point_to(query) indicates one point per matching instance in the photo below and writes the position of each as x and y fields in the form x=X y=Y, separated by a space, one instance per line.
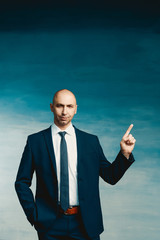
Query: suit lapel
x=79 y=150
x=49 y=144
x=48 y=139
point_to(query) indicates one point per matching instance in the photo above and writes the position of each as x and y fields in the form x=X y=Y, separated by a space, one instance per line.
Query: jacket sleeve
x=23 y=183
x=113 y=172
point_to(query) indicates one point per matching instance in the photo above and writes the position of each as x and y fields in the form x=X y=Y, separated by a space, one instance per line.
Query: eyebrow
x=60 y=104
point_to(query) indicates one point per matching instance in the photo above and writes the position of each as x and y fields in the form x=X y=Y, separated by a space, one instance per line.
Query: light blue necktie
x=64 y=178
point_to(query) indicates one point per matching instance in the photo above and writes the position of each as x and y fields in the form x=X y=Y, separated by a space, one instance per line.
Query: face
x=64 y=108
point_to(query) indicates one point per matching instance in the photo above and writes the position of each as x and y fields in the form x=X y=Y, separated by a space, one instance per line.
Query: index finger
x=128 y=130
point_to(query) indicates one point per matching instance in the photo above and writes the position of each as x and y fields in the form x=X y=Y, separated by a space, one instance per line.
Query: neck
x=62 y=127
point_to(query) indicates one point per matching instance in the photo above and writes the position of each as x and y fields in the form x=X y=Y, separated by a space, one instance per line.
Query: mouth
x=63 y=118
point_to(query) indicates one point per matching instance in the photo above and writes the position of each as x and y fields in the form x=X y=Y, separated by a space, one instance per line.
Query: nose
x=64 y=110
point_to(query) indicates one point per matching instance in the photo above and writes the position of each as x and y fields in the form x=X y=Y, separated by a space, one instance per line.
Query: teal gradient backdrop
x=110 y=60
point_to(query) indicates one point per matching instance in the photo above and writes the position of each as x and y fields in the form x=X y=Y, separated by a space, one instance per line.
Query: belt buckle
x=65 y=213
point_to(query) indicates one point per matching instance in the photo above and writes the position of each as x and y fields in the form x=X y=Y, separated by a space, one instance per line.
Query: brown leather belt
x=70 y=211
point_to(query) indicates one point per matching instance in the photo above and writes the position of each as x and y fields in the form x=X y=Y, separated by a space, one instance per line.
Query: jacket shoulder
x=85 y=134
x=39 y=133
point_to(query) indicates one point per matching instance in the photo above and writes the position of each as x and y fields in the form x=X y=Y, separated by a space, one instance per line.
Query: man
x=67 y=163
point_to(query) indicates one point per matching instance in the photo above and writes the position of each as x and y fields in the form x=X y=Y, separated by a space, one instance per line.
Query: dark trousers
x=66 y=227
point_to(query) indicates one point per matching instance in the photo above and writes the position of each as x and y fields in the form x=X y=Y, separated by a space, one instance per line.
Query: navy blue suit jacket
x=41 y=209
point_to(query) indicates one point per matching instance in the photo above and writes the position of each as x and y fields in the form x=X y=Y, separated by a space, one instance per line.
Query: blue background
x=109 y=57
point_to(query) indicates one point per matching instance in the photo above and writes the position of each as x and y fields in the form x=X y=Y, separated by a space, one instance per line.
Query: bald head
x=64 y=92
x=64 y=107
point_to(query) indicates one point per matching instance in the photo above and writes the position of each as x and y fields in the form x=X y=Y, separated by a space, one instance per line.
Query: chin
x=63 y=123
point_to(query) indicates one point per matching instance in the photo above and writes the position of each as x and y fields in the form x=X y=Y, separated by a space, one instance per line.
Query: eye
x=58 y=105
x=70 y=106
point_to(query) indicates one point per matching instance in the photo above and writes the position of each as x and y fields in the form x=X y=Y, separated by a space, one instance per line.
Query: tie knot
x=62 y=134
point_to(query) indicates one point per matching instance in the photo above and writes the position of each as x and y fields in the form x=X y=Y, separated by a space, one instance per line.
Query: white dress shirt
x=70 y=138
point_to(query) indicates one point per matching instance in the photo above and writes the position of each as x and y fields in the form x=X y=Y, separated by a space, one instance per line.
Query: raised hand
x=127 y=143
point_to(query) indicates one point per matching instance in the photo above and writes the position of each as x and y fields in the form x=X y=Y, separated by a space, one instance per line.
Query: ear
x=76 y=109
x=51 y=107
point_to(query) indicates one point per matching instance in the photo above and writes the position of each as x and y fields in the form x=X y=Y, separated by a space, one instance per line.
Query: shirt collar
x=69 y=130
